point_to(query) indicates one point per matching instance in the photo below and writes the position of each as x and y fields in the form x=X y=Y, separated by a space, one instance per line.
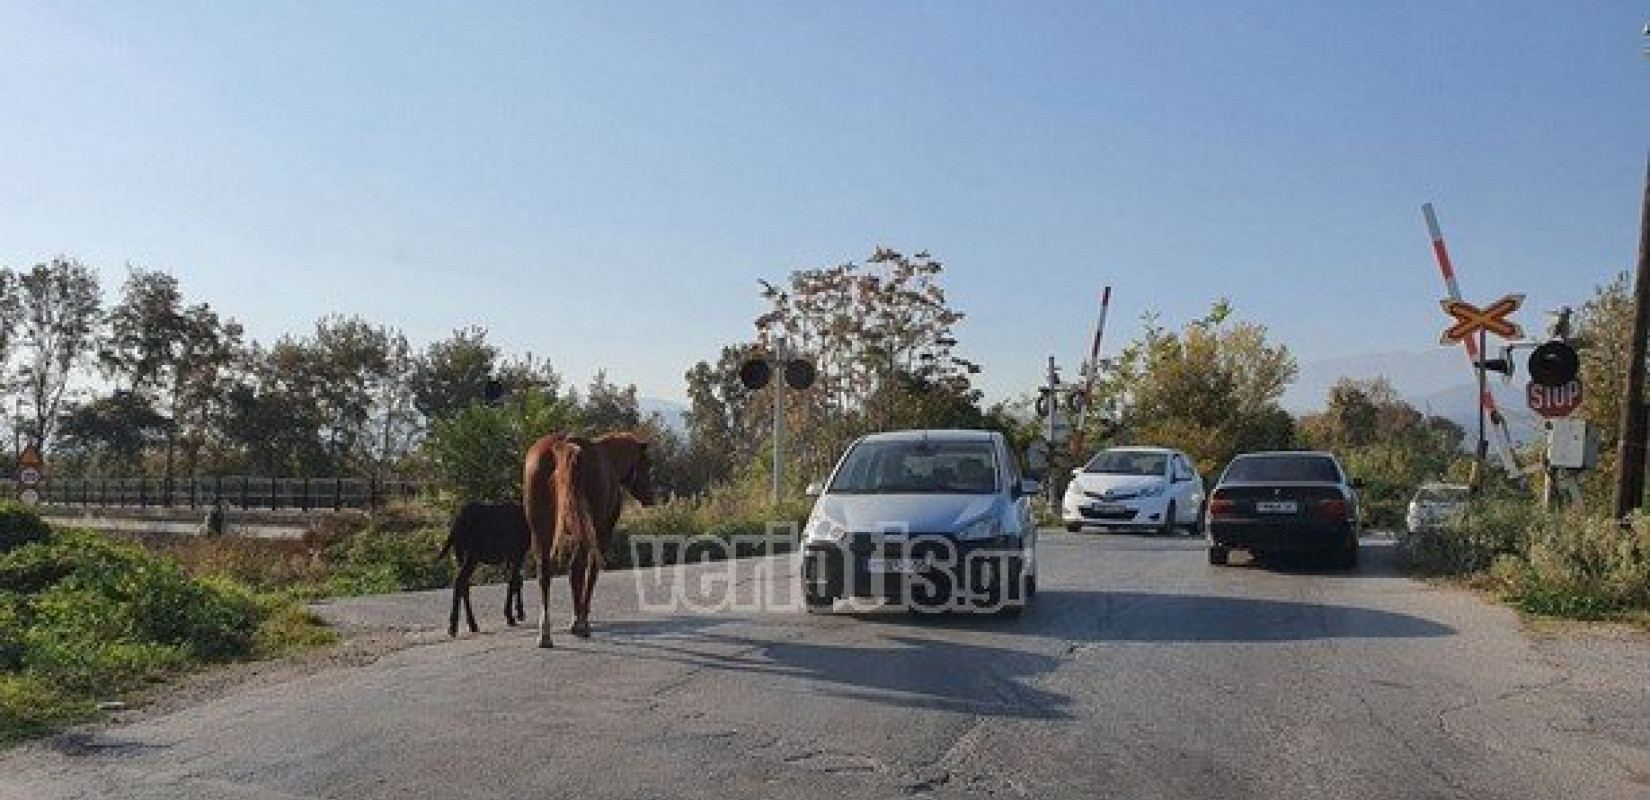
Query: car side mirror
x=1029 y=488
x=1357 y=483
x=814 y=489
x=1075 y=471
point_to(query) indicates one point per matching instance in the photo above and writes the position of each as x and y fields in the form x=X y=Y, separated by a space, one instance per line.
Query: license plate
x=891 y=565
x=1108 y=508
x=1277 y=507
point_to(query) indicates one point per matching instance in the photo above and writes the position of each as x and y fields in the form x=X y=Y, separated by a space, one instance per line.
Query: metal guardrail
x=236 y=491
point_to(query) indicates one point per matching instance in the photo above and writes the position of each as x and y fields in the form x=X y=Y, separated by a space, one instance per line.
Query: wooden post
x=1630 y=452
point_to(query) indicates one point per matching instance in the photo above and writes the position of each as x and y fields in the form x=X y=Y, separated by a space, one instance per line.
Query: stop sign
x=1553 y=402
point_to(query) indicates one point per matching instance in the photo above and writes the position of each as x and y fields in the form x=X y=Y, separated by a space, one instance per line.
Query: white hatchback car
x=1136 y=488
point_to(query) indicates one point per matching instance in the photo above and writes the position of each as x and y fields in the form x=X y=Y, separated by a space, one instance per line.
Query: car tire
x=1197 y=523
x=1167 y=529
x=1219 y=555
x=1348 y=559
x=1074 y=527
x=816 y=604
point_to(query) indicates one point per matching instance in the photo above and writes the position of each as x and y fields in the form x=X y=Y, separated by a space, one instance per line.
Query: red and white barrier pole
x=1486 y=400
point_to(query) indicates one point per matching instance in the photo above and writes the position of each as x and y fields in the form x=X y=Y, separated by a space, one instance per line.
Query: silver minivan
x=936 y=520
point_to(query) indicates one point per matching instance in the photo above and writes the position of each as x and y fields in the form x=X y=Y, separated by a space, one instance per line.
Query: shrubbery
x=1560 y=563
x=85 y=618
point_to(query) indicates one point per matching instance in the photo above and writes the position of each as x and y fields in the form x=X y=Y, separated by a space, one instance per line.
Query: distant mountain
x=1412 y=374
x=673 y=413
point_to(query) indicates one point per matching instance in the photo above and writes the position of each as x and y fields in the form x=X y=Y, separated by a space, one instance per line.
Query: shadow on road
x=1093 y=616
x=903 y=671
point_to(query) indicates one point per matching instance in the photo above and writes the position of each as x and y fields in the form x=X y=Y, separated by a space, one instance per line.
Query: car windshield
x=918 y=466
x=1291 y=467
x=1441 y=494
x=1126 y=462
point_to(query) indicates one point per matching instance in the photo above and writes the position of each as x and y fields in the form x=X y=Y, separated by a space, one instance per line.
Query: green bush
x=375 y=561
x=84 y=618
x=31 y=705
x=19 y=526
x=1470 y=542
x=1565 y=563
x=1580 y=566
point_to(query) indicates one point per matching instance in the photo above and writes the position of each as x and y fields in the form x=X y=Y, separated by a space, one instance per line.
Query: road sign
x=29 y=497
x=1554 y=402
x=28 y=476
x=1470 y=319
x=30 y=457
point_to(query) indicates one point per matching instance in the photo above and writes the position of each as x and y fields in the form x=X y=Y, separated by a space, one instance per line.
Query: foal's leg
x=465 y=573
x=458 y=597
x=512 y=590
x=521 y=610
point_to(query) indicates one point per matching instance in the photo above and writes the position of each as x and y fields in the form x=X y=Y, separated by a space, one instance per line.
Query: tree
x=60 y=300
x=171 y=353
x=608 y=407
x=876 y=332
x=1383 y=442
x=110 y=434
x=721 y=418
x=355 y=366
x=1604 y=332
x=271 y=422
x=1211 y=389
x=477 y=452
x=452 y=374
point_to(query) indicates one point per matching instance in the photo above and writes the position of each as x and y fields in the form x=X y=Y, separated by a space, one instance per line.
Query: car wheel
x=1168 y=521
x=1348 y=559
x=1197 y=523
x=1074 y=527
x=1219 y=555
x=815 y=604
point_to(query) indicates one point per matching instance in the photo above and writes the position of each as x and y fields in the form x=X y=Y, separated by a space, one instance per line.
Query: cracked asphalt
x=1141 y=672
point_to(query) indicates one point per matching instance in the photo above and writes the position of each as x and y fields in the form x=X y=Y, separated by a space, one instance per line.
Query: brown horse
x=573 y=489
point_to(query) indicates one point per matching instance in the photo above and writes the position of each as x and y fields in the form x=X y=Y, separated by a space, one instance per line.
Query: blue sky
x=602 y=183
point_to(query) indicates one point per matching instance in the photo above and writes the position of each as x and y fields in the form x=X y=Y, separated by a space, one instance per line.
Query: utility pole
x=1630 y=452
x=778 y=420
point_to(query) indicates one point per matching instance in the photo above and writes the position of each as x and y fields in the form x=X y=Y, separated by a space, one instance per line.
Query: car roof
x=1140 y=448
x=1323 y=453
x=939 y=434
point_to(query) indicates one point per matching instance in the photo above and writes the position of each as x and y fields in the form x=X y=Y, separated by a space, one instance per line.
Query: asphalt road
x=1142 y=673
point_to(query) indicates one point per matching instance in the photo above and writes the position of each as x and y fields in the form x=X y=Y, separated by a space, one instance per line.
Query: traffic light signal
x=1554 y=364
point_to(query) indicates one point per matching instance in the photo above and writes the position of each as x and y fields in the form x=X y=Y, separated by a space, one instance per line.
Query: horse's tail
x=575 y=532
x=452 y=536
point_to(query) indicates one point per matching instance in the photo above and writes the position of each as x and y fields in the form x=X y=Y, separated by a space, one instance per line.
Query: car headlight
x=825 y=529
x=1152 y=491
x=987 y=528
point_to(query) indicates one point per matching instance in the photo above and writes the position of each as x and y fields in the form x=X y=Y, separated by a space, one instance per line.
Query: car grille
x=1117 y=496
x=1119 y=515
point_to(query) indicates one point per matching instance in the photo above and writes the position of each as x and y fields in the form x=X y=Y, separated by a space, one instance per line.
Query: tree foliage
x=1210 y=389
x=1384 y=442
x=59 y=302
x=1604 y=331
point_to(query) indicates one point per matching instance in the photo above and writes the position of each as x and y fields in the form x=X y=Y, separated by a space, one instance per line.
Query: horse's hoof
x=544 y=642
